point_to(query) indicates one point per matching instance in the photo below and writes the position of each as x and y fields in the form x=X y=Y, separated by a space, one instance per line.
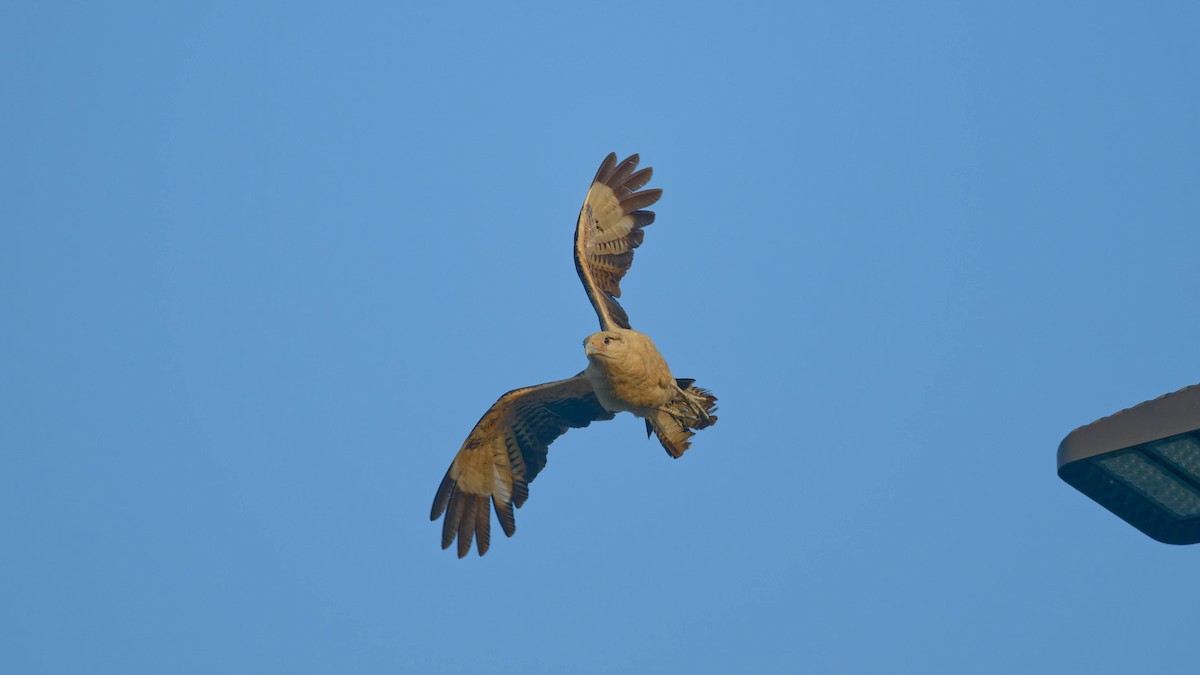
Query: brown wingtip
x=466 y=525
x=640 y=200
x=606 y=167
x=468 y=516
x=504 y=512
x=450 y=525
x=442 y=497
x=623 y=172
x=483 y=524
x=635 y=182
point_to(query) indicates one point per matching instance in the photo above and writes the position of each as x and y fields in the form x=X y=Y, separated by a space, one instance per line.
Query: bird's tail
x=693 y=409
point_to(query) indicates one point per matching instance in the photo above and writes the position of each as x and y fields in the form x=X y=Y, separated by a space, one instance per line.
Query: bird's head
x=606 y=344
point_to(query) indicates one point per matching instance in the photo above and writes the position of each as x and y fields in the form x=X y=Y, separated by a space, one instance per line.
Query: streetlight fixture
x=1143 y=464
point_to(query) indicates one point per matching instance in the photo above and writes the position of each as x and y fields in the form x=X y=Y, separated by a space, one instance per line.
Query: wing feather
x=635 y=182
x=609 y=228
x=466 y=524
x=606 y=168
x=504 y=453
x=640 y=200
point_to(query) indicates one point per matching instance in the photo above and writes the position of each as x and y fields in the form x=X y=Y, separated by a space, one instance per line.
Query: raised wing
x=504 y=453
x=609 y=228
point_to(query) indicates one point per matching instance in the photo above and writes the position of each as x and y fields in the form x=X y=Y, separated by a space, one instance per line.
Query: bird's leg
x=695 y=404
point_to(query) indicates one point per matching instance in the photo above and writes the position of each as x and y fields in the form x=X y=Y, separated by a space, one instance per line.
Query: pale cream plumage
x=625 y=373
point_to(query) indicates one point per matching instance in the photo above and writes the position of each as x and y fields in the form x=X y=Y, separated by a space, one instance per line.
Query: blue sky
x=264 y=267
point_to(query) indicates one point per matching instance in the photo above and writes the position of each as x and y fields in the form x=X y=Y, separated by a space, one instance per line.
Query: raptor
x=625 y=373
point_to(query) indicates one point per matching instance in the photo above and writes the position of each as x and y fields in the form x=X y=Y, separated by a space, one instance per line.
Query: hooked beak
x=589 y=348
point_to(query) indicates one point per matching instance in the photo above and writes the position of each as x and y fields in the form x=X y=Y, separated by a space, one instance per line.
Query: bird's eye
x=607 y=340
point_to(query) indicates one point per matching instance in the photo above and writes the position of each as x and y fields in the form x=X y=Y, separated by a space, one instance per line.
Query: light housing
x=1143 y=464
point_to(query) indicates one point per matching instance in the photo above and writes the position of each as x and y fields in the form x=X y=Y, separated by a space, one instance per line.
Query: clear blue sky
x=263 y=268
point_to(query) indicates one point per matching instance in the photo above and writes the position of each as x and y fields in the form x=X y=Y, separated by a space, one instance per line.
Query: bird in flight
x=625 y=373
